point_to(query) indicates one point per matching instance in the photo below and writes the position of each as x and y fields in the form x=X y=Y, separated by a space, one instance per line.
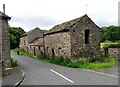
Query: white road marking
x=23 y=73
x=8 y=68
x=23 y=79
x=61 y=76
x=101 y=73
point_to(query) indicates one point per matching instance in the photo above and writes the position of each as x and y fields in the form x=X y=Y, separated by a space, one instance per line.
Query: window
x=38 y=47
x=87 y=33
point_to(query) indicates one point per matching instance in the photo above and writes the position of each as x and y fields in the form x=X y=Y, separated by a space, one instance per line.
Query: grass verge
x=98 y=62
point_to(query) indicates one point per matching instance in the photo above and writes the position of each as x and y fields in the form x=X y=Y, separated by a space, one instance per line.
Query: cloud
x=33 y=21
x=47 y=13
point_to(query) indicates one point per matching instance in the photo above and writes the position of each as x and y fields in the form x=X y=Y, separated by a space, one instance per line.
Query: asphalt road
x=42 y=73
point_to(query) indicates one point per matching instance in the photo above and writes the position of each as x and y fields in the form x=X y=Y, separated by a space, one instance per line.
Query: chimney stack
x=4 y=8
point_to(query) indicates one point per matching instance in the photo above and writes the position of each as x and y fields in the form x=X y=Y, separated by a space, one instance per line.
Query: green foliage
x=110 y=33
x=23 y=52
x=95 y=62
x=13 y=62
x=110 y=45
x=15 y=34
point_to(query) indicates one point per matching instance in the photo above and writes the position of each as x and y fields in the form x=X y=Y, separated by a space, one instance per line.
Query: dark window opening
x=53 y=53
x=34 y=51
x=38 y=47
x=87 y=34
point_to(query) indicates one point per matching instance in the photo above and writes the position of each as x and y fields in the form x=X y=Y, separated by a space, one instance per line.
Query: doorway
x=53 y=53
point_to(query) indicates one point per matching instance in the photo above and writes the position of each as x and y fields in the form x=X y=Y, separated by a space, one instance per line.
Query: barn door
x=53 y=53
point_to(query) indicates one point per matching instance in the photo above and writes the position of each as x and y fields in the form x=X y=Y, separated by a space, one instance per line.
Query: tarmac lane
x=42 y=73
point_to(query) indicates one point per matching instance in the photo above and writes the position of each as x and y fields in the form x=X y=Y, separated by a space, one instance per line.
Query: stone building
x=73 y=39
x=32 y=41
x=4 y=40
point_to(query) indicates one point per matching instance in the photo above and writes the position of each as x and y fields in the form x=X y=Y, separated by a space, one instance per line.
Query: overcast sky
x=45 y=14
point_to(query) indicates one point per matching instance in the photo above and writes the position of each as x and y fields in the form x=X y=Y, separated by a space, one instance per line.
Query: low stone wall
x=114 y=52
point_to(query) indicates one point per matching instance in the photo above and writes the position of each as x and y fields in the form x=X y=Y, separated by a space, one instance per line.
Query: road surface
x=42 y=73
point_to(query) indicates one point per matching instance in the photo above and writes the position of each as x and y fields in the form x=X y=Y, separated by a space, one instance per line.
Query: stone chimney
x=4 y=8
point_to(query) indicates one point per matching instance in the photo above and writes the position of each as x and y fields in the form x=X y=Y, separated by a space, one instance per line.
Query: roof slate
x=32 y=31
x=66 y=25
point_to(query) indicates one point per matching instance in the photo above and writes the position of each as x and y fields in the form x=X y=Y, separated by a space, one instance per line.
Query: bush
x=95 y=61
x=13 y=62
x=99 y=59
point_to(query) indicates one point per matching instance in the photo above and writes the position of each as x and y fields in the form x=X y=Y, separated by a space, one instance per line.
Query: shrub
x=108 y=45
x=13 y=62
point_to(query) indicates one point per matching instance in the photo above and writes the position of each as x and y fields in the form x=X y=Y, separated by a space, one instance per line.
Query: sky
x=45 y=14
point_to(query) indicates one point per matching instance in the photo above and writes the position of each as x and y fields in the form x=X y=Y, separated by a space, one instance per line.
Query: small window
x=87 y=34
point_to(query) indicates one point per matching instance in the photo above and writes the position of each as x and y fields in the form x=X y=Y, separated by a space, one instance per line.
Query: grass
x=108 y=43
x=98 y=62
x=22 y=52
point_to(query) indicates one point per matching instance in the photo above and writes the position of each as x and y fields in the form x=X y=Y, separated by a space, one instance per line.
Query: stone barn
x=4 y=40
x=32 y=41
x=36 y=47
x=73 y=39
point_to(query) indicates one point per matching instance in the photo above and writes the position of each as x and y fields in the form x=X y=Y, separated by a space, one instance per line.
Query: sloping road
x=42 y=73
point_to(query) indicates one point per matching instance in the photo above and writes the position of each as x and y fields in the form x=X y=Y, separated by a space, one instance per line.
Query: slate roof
x=3 y=15
x=31 y=31
x=65 y=26
x=33 y=34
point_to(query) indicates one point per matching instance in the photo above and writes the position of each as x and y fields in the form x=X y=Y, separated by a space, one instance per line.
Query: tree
x=15 y=34
x=110 y=33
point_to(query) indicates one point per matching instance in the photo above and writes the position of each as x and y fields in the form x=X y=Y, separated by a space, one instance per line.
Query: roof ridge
x=66 y=24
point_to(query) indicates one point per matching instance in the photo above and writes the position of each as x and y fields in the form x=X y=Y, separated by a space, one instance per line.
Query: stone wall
x=24 y=43
x=78 y=46
x=59 y=43
x=114 y=52
x=36 y=47
x=5 y=51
